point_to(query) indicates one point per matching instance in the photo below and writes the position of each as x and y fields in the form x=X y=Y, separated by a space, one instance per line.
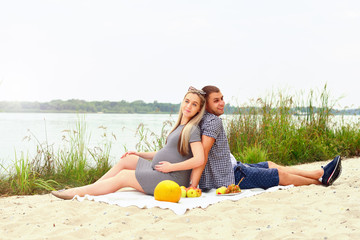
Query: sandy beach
x=309 y=212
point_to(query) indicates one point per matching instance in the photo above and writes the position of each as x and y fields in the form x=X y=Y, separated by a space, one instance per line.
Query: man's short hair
x=210 y=89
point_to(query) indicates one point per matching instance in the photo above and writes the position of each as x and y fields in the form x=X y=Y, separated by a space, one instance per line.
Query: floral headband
x=194 y=90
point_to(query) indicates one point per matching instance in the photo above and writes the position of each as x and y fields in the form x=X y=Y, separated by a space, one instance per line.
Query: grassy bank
x=291 y=131
x=278 y=128
x=73 y=164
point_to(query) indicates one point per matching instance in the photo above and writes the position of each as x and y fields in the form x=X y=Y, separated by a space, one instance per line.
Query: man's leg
x=286 y=178
x=256 y=177
x=325 y=175
x=312 y=174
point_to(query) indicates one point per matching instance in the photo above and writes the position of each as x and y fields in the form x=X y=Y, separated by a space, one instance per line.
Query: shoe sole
x=336 y=173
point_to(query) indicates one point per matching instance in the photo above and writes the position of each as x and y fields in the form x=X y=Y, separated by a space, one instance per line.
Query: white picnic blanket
x=141 y=200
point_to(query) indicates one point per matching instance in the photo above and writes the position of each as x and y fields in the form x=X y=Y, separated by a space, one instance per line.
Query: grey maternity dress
x=145 y=171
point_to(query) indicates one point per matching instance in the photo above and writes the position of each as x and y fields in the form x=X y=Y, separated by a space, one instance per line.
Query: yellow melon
x=168 y=191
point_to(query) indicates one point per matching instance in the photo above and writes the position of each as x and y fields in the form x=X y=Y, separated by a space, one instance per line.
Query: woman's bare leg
x=125 y=178
x=313 y=174
x=129 y=162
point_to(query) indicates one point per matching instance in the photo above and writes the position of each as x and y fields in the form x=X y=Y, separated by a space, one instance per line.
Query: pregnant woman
x=183 y=152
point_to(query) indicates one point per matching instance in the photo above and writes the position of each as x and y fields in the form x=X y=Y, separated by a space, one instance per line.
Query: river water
x=51 y=127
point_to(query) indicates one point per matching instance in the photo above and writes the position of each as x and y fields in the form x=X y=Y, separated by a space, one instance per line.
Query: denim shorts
x=257 y=175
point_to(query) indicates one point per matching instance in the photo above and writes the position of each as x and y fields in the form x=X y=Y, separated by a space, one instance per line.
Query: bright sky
x=154 y=50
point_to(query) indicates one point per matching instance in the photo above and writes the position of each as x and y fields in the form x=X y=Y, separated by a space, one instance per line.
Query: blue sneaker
x=331 y=171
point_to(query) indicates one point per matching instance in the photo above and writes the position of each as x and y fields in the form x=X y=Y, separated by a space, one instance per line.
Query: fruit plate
x=228 y=194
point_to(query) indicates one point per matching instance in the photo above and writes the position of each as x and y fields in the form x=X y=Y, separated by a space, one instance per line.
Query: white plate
x=228 y=194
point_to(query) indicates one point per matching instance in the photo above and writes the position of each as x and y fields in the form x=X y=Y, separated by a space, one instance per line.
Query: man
x=220 y=169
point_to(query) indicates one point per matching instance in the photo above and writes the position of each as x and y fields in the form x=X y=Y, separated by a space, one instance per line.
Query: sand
x=308 y=212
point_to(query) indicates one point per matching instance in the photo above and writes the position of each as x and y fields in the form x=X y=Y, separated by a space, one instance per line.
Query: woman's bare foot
x=65 y=194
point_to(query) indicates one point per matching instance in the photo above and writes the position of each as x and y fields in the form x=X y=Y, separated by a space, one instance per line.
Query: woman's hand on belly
x=164 y=167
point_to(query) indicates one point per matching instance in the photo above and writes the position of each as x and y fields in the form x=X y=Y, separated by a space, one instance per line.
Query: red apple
x=198 y=192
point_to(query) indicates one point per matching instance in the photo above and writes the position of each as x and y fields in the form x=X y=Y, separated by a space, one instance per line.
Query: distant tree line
x=81 y=106
x=139 y=106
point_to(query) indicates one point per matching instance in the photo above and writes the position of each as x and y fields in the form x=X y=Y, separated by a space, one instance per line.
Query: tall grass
x=74 y=164
x=23 y=179
x=79 y=164
x=149 y=141
x=289 y=132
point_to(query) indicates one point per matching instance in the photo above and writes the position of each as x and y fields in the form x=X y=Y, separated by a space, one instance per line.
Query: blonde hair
x=183 y=144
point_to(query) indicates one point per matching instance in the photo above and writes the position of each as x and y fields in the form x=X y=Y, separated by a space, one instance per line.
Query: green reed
x=23 y=179
x=149 y=141
x=286 y=131
x=79 y=164
x=74 y=164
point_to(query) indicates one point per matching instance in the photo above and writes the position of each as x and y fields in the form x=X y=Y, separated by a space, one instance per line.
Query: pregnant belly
x=168 y=155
